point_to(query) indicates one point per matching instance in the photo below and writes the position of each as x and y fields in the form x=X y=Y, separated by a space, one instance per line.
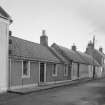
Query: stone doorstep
x=48 y=86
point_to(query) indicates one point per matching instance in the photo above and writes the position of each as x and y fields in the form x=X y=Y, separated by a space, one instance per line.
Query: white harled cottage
x=5 y=21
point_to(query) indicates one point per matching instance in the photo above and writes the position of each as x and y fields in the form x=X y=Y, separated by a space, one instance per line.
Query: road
x=90 y=93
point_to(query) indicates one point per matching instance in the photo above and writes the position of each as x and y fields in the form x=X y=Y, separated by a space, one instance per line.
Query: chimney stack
x=74 y=47
x=44 y=38
x=101 y=49
x=90 y=45
x=10 y=33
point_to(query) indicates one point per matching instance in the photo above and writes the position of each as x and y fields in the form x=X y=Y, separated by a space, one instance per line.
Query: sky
x=65 y=21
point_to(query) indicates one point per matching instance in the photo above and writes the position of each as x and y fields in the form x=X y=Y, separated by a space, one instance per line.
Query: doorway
x=69 y=72
x=42 y=72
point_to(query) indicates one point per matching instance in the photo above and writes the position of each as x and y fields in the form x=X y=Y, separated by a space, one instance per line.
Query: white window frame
x=66 y=68
x=104 y=61
x=55 y=67
x=26 y=76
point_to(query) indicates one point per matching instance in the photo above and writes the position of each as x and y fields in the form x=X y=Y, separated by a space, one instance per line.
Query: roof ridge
x=26 y=48
x=62 y=52
x=50 y=48
x=27 y=40
x=81 y=57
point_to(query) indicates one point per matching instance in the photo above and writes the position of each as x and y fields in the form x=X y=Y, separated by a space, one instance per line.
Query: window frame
x=66 y=68
x=56 y=71
x=28 y=69
x=103 y=61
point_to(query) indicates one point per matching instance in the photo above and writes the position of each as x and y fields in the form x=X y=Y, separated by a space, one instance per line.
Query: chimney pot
x=101 y=49
x=44 y=38
x=90 y=45
x=10 y=33
x=74 y=47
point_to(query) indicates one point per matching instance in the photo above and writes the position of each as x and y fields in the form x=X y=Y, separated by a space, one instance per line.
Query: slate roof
x=69 y=54
x=4 y=14
x=25 y=49
x=97 y=55
x=101 y=53
x=63 y=59
x=75 y=56
x=89 y=59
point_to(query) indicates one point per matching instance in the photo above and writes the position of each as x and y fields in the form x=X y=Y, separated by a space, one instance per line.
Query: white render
x=90 y=68
x=4 y=30
x=99 y=71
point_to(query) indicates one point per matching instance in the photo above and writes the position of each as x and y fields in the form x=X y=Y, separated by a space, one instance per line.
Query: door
x=78 y=71
x=93 y=72
x=69 y=72
x=41 y=72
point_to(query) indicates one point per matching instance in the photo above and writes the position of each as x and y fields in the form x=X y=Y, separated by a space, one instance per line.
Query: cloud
x=94 y=12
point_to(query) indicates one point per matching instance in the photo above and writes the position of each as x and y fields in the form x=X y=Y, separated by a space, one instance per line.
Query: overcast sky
x=65 y=21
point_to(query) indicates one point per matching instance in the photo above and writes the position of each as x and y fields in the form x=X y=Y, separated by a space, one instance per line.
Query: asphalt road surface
x=90 y=93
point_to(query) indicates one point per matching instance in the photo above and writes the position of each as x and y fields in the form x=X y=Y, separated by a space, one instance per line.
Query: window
x=104 y=61
x=26 y=69
x=10 y=51
x=54 y=71
x=10 y=33
x=10 y=41
x=65 y=70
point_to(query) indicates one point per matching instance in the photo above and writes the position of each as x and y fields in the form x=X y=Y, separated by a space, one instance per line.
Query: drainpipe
x=78 y=71
x=93 y=69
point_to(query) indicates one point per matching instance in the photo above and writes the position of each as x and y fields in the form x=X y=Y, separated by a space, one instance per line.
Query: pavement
x=83 y=93
x=48 y=86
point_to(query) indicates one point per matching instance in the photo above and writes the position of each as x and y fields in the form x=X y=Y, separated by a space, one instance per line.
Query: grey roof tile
x=63 y=59
x=75 y=56
x=26 y=49
x=70 y=54
x=88 y=58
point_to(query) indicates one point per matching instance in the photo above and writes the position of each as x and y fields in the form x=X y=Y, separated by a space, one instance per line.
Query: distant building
x=5 y=21
x=97 y=55
x=81 y=64
x=32 y=64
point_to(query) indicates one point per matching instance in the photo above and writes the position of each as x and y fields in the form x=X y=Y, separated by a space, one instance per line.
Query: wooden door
x=69 y=72
x=41 y=72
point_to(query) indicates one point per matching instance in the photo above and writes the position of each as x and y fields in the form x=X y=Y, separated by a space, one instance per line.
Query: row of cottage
x=31 y=64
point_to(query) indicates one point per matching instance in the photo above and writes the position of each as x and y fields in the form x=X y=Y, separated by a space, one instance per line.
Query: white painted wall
x=99 y=71
x=74 y=71
x=4 y=30
x=90 y=67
